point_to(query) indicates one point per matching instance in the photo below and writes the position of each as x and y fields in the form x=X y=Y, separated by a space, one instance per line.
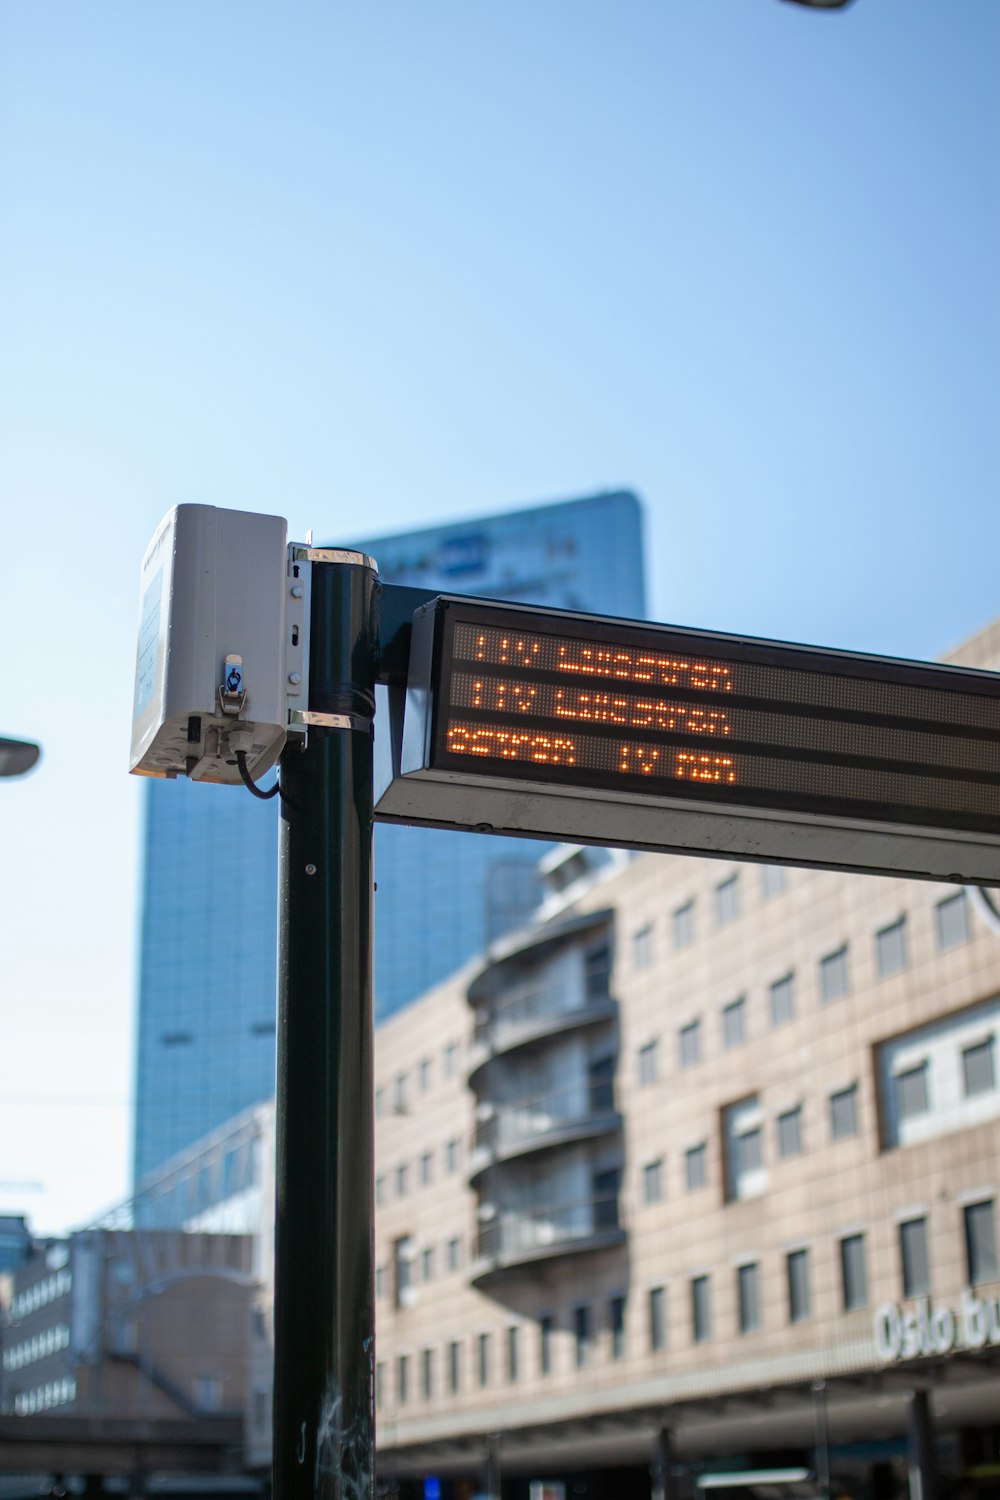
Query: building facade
x=205 y=1035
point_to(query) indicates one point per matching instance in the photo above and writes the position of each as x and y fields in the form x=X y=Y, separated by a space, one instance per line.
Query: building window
x=657 y=1318
x=853 y=1272
x=427 y=1262
x=380 y=1384
x=911 y=1092
x=402 y=1256
x=844 y=1113
x=727 y=901
x=483 y=1358
x=427 y=1373
x=748 y=1292
x=782 y=993
x=648 y=1063
x=379 y=1103
x=833 y=977
x=616 y=1322
x=652 y=1181
x=401 y=1180
x=978 y=1071
x=689 y=1044
x=734 y=1023
x=450 y=1055
x=790 y=1132
x=512 y=1332
x=454 y=1253
x=890 y=948
x=952 y=920
x=701 y=1311
x=402 y=1379
x=545 y=1344
x=642 y=948
x=451 y=1156
x=454 y=1366
x=426 y=1168
x=597 y=970
x=744 y=1149
x=379 y=1191
x=773 y=880
x=797 y=1271
x=380 y=1281
x=399 y=1095
x=695 y=1166
x=980 y=1242
x=914 y=1257
x=424 y=1074
x=682 y=925
x=581 y=1331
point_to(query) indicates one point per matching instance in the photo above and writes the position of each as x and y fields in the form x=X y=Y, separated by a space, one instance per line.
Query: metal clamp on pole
x=324 y=1438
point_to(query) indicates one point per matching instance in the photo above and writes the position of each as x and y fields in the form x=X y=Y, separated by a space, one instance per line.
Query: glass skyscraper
x=206 y=1034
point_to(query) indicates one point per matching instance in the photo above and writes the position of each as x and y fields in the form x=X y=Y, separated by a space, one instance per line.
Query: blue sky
x=374 y=266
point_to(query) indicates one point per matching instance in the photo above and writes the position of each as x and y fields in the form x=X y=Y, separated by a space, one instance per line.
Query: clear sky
x=371 y=266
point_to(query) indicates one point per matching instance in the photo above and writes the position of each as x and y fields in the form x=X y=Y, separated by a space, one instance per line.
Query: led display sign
x=674 y=725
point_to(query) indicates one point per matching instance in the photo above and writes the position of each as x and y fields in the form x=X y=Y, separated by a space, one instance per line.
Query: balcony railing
x=514 y=1235
x=519 y=1008
x=522 y=1122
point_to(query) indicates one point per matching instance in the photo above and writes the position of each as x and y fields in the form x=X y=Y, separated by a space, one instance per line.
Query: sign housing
x=519 y=720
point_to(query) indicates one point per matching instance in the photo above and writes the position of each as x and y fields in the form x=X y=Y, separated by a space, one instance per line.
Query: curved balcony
x=512 y=1239
x=532 y=1013
x=521 y=1127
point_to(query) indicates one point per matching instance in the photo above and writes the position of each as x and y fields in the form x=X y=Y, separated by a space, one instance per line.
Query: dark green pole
x=324 y=1352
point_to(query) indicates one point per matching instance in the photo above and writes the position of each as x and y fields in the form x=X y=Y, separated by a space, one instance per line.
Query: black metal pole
x=324 y=1424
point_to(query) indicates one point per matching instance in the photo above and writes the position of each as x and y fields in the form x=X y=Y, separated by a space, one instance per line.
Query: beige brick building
x=699 y=1171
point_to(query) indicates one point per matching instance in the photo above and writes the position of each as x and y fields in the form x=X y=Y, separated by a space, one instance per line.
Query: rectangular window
x=401 y=1180
x=797 y=1271
x=648 y=1063
x=454 y=1366
x=427 y=1262
x=911 y=1092
x=451 y=1156
x=696 y=1167
x=833 y=977
x=380 y=1281
x=952 y=920
x=427 y=1373
x=424 y=1074
x=402 y=1256
x=853 y=1272
x=402 y=1379
x=380 y=1193
x=748 y=1292
x=657 y=1318
x=483 y=1358
x=790 y=1132
x=454 y=1253
x=597 y=970
x=616 y=1323
x=512 y=1333
x=399 y=1094
x=426 y=1169
x=890 y=948
x=743 y=1143
x=773 y=880
x=545 y=1344
x=844 y=1113
x=682 y=925
x=782 y=993
x=734 y=1023
x=980 y=1242
x=652 y=1181
x=689 y=1044
x=642 y=948
x=701 y=1310
x=379 y=1103
x=749 y=1151
x=581 y=1331
x=914 y=1257
x=727 y=901
x=978 y=1071
x=450 y=1055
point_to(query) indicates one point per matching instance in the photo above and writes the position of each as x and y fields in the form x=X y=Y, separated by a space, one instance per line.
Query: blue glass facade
x=207 y=967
